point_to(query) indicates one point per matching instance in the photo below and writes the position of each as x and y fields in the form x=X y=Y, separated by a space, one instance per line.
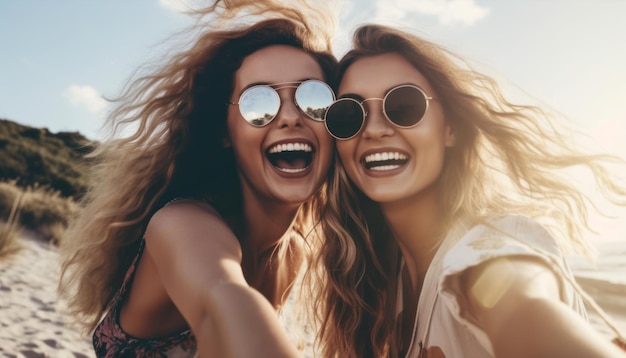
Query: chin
x=386 y=196
x=293 y=196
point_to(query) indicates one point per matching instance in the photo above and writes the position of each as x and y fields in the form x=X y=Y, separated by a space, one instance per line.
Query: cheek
x=345 y=149
x=244 y=139
x=239 y=129
x=325 y=141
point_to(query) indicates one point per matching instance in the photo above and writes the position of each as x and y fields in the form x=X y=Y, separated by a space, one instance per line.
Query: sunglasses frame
x=277 y=86
x=427 y=98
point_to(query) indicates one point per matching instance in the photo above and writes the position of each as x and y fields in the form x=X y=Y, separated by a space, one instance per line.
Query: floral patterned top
x=109 y=340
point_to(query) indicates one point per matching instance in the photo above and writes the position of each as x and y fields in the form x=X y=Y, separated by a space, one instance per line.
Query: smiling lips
x=384 y=161
x=293 y=157
x=296 y=157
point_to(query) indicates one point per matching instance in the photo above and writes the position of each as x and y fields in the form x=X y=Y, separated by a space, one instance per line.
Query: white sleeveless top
x=440 y=328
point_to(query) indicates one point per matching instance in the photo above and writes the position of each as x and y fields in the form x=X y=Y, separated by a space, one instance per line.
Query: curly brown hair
x=179 y=111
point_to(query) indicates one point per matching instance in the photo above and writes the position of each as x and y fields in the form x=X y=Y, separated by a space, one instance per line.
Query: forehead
x=373 y=76
x=277 y=63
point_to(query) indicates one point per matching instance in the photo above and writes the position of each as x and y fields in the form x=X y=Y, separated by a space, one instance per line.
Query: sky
x=58 y=59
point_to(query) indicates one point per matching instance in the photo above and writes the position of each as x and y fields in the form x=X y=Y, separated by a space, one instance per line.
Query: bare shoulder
x=500 y=285
x=189 y=225
x=182 y=210
x=189 y=250
x=514 y=272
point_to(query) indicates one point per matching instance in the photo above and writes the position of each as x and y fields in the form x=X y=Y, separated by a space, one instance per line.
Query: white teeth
x=378 y=157
x=290 y=147
x=385 y=167
x=295 y=170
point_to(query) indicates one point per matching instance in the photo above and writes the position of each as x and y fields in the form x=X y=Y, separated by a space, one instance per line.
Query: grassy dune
x=42 y=174
x=40 y=210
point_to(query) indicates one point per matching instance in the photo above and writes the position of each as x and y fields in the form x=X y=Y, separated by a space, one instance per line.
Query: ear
x=450 y=139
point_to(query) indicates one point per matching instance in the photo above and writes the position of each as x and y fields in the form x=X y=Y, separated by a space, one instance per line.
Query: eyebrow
x=352 y=96
x=361 y=98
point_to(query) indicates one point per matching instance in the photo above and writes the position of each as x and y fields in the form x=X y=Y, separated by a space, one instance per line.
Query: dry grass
x=38 y=209
x=10 y=230
x=9 y=240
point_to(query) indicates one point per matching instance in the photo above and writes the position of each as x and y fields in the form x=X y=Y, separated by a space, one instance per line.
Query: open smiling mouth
x=384 y=161
x=290 y=157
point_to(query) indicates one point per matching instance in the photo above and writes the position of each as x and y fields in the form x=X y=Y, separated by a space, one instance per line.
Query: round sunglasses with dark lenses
x=260 y=104
x=404 y=106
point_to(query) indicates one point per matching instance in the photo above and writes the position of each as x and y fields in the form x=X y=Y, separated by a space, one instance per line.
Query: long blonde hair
x=179 y=110
x=503 y=161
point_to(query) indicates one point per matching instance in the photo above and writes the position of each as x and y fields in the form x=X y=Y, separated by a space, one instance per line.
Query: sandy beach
x=32 y=323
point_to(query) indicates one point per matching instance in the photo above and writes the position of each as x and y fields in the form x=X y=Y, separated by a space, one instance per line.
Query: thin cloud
x=85 y=97
x=178 y=6
x=173 y=5
x=448 y=12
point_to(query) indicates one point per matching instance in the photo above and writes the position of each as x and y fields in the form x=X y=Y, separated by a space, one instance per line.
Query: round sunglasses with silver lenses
x=260 y=104
x=404 y=106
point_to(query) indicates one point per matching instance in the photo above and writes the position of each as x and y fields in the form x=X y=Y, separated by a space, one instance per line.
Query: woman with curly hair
x=436 y=240
x=194 y=231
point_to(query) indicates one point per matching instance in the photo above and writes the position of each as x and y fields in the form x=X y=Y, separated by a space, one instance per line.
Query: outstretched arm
x=516 y=301
x=197 y=258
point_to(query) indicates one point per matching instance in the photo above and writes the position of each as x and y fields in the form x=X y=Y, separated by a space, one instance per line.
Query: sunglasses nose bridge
x=366 y=108
x=288 y=110
x=376 y=122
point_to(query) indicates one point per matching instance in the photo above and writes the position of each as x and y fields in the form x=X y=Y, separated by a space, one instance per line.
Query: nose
x=288 y=115
x=376 y=124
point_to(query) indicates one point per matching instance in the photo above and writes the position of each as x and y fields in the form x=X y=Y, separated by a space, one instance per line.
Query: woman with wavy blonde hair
x=434 y=238
x=194 y=230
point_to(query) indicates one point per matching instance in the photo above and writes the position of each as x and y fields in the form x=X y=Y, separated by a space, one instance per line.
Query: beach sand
x=32 y=323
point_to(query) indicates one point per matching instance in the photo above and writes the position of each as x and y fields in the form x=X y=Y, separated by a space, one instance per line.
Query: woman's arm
x=516 y=301
x=198 y=260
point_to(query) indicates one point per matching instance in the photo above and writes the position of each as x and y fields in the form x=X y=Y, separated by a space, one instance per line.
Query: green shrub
x=34 y=156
